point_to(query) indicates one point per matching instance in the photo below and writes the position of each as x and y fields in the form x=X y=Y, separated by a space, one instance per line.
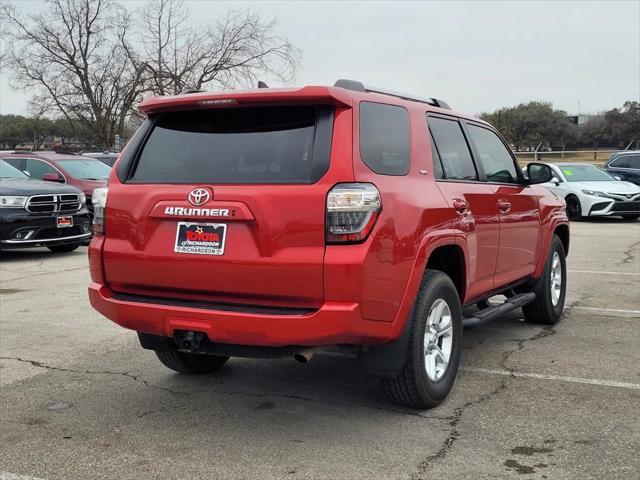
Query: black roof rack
x=191 y=90
x=361 y=87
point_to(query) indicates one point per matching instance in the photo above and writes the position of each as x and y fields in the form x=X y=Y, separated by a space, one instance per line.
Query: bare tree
x=233 y=52
x=92 y=60
x=72 y=59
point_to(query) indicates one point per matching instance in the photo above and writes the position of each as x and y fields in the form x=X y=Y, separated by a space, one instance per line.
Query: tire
x=630 y=218
x=190 y=363
x=574 y=209
x=414 y=387
x=547 y=308
x=69 y=247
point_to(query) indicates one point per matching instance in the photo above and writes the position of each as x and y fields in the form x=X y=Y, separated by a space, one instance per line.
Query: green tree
x=533 y=124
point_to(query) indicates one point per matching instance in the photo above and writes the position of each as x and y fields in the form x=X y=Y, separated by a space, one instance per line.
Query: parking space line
x=601 y=272
x=13 y=476
x=556 y=378
x=608 y=312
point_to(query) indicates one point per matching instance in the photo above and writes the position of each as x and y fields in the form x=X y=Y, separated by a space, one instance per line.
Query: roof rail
x=191 y=90
x=361 y=87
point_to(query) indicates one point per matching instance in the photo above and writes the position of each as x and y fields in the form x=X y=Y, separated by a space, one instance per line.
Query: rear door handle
x=504 y=206
x=460 y=206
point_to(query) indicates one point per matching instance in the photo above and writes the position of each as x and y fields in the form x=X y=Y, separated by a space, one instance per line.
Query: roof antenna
x=261 y=84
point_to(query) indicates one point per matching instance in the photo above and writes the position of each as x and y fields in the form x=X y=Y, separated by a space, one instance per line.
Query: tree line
x=91 y=61
x=538 y=124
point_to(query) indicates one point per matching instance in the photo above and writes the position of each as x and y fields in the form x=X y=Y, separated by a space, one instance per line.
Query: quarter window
x=498 y=164
x=634 y=162
x=437 y=164
x=384 y=138
x=453 y=149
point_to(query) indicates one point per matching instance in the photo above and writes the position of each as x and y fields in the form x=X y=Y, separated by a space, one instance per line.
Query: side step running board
x=491 y=313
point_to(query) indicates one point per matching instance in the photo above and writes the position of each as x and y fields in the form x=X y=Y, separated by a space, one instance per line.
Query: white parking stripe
x=600 y=272
x=13 y=476
x=608 y=312
x=556 y=378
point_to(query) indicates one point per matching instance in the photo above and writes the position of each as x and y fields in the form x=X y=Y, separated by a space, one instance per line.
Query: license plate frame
x=203 y=239
x=64 y=222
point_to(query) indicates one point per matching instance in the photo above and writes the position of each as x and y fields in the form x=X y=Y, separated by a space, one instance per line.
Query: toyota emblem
x=199 y=196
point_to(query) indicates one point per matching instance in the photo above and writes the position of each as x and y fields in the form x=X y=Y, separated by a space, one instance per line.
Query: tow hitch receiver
x=188 y=341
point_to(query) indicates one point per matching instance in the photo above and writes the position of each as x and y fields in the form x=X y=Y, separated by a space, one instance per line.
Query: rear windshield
x=237 y=145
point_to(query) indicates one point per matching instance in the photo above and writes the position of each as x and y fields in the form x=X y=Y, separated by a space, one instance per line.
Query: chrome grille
x=68 y=202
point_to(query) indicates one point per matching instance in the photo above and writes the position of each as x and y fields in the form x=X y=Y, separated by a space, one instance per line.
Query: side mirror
x=52 y=177
x=617 y=178
x=539 y=173
x=555 y=180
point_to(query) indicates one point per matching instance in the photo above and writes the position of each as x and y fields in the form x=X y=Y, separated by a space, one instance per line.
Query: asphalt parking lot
x=81 y=400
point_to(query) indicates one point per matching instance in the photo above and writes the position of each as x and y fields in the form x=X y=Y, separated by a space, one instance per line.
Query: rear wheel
x=630 y=218
x=190 y=363
x=550 y=289
x=69 y=247
x=434 y=347
x=574 y=209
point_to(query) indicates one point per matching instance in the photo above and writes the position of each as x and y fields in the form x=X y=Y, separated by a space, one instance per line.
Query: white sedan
x=590 y=191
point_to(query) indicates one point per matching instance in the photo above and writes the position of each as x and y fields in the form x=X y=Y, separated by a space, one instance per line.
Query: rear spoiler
x=304 y=95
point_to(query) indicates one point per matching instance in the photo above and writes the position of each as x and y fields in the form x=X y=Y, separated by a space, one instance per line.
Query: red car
x=84 y=173
x=283 y=222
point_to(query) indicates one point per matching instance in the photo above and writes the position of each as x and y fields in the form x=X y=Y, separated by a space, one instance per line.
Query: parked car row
x=590 y=191
x=45 y=199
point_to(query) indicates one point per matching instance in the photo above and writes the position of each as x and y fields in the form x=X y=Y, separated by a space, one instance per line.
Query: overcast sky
x=477 y=55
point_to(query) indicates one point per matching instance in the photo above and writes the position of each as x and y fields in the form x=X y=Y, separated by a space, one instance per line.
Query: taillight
x=352 y=210
x=99 y=202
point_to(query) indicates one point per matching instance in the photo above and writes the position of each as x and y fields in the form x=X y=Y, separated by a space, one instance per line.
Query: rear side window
x=285 y=144
x=635 y=161
x=453 y=149
x=384 y=138
x=622 y=162
x=496 y=160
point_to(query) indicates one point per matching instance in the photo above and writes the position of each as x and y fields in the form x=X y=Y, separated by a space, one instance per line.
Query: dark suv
x=284 y=222
x=35 y=213
x=626 y=165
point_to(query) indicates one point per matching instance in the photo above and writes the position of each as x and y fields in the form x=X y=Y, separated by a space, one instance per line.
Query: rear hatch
x=225 y=205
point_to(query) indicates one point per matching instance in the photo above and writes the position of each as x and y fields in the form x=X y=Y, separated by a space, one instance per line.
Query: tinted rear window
x=384 y=138
x=237 y=145
x=453 y=149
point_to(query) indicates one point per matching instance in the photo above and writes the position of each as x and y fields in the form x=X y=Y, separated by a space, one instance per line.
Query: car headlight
x=82 y=198
x=595 y=193
x=7 y=201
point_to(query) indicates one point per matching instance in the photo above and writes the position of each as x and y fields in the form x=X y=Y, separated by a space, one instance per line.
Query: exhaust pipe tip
x=303 y=356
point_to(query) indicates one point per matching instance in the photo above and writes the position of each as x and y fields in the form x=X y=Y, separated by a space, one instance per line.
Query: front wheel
x=550 y=289
x=434 y=347
x=574 y=209
x=69 y=247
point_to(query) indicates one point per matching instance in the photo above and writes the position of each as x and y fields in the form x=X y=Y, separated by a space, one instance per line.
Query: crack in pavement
x=136 y=378
x=628 y=254
x=458 y=413
x=48 y=273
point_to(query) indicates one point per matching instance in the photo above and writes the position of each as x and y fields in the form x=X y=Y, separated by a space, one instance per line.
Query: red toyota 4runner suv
x=283 y=222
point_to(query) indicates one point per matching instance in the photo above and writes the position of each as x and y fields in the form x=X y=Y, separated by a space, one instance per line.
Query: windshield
x=585 y=173
x=88 y=169
x=9 y=171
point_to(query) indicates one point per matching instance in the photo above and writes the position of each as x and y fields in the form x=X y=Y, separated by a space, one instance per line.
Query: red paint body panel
x=276 y=254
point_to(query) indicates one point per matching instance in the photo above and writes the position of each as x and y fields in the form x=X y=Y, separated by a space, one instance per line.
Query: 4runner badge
x=199 y=196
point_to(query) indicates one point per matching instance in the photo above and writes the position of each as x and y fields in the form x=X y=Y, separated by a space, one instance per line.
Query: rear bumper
x=335 y=323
